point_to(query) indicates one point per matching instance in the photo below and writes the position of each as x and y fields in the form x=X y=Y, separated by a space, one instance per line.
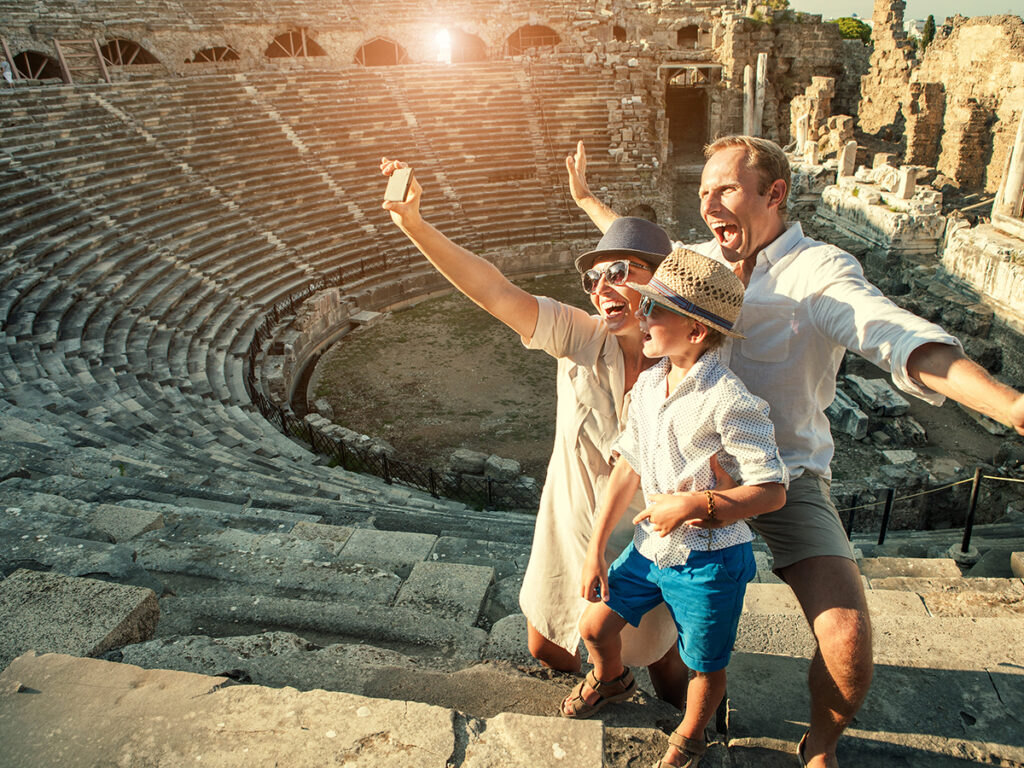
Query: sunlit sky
x=916 y=9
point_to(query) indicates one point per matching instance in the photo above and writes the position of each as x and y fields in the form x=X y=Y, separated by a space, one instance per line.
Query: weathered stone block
x=932 y=567
x=447 y=589
x=467 y=462
x=51 y=613
x=844 y=416
x=124 y=523
x=502 y=469
x=387 y=548
x=877 y=395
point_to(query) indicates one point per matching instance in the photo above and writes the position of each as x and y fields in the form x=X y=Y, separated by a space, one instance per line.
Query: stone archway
x=120 y=52
x=531 y=36
x=381 y=52
x=293 y=45
x=33 y=65
x=214 y=54
x=467 y=47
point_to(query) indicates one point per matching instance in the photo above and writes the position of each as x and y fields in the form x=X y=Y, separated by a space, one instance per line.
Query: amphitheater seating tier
x=145 y=230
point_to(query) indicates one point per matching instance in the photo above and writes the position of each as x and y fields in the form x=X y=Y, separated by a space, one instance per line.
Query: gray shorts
x=807 y=526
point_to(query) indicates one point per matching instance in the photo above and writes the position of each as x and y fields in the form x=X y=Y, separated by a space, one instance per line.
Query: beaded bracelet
x=711 y=504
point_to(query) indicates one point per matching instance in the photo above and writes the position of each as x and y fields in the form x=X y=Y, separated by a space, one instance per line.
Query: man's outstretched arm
x=599 y=213
x=945 y=369
x=477 y=278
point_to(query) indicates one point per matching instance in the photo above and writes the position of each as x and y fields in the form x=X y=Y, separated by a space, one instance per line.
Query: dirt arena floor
x=444 y=375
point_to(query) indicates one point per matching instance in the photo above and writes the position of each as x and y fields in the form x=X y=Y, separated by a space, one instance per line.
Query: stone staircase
x=291 y=578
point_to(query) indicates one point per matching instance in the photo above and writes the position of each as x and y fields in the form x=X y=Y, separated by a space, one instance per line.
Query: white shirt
x=806 y=304
x=669 y=441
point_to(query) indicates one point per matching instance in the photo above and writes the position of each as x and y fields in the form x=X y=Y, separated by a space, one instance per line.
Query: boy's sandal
x=619 y=689
x=800 y=749
x=692 y=749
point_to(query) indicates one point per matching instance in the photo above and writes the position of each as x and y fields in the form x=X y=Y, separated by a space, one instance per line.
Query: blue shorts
x=704 y=596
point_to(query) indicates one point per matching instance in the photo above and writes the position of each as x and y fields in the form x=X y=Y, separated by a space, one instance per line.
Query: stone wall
x=855 y=60
x=882 y=89
x=990 y=265
x=979 y=63
x=800 y=47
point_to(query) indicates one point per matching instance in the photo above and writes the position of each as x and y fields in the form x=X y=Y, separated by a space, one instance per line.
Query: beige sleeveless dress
x=591 y=413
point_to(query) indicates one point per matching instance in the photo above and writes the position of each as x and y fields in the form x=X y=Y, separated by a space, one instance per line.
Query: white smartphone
x=398 y=185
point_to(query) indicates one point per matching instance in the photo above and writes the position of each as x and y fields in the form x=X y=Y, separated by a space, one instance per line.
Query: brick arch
x=531 y=36
x=294 y=44
x=381 y=52
x=34 y=65
x=123 y=52
x=214 y=54
x=467 y=47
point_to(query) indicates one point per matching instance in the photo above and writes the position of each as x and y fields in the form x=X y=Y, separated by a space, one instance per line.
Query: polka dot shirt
x=669 y=442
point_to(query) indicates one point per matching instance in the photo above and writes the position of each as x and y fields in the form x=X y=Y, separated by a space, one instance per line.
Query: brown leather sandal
x=693 y=750
x=619 y=689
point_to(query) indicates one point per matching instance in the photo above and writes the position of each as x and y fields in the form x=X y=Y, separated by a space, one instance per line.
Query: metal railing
x=891 y=499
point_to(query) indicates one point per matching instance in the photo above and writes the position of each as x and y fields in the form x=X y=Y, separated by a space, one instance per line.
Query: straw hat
x=698 y=287
x=629 y=236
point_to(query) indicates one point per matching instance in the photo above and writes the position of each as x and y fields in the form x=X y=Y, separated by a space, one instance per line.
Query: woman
x=599 y=359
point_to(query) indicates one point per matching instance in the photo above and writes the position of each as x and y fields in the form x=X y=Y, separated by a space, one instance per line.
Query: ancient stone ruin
x=190 y=215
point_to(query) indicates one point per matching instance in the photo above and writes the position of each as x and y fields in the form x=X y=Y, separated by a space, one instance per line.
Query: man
x=806 y=303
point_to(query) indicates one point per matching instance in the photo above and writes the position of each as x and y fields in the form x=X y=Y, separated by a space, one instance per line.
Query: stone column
x=847 y=159
x=811 y=152
x=748 y=100
x=801 y=131
x=762 y=76
x=907 y=182
x=1011 y=191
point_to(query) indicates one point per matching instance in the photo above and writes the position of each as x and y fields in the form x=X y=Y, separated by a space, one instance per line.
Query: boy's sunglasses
x=647 y=306
x=614 y=274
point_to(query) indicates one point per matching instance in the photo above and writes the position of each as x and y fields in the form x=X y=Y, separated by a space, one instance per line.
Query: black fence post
x=890 y=495
x=849 y=524
x=490 y=492
x=432 y=482
x=386 y=467
x=965 y=545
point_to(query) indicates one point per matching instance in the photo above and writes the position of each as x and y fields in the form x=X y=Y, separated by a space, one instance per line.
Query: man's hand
x=594 y=582
x=577 y=166
x=405 y=214
x=599 y=213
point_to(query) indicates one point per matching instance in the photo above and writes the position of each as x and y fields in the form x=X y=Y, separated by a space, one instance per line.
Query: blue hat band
x=689 y=306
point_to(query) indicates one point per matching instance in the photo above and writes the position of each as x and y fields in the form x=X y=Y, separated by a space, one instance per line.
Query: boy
x=690 y=547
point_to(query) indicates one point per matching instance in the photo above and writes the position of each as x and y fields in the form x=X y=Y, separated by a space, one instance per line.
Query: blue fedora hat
x=629 y=236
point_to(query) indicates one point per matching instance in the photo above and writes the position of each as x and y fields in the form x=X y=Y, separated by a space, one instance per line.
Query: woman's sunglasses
x=614 y=274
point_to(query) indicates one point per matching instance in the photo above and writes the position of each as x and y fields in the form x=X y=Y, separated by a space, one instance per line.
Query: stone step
x=392 y=626
x=52 y=613
x=879 y=567
x=198 y=720
x=73 y=557
x=914 y=716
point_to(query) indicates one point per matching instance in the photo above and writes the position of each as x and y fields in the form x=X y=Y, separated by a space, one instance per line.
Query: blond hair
x=764 y=156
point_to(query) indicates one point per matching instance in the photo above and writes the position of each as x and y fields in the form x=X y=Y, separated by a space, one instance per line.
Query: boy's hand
x=667 y=511
x=594 y=585
x=405 y=214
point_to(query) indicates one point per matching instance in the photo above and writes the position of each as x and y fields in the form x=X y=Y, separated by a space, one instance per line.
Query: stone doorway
x=687 y=111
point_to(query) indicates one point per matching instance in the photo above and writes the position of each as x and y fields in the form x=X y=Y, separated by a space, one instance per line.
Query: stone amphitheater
x=182 y=583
